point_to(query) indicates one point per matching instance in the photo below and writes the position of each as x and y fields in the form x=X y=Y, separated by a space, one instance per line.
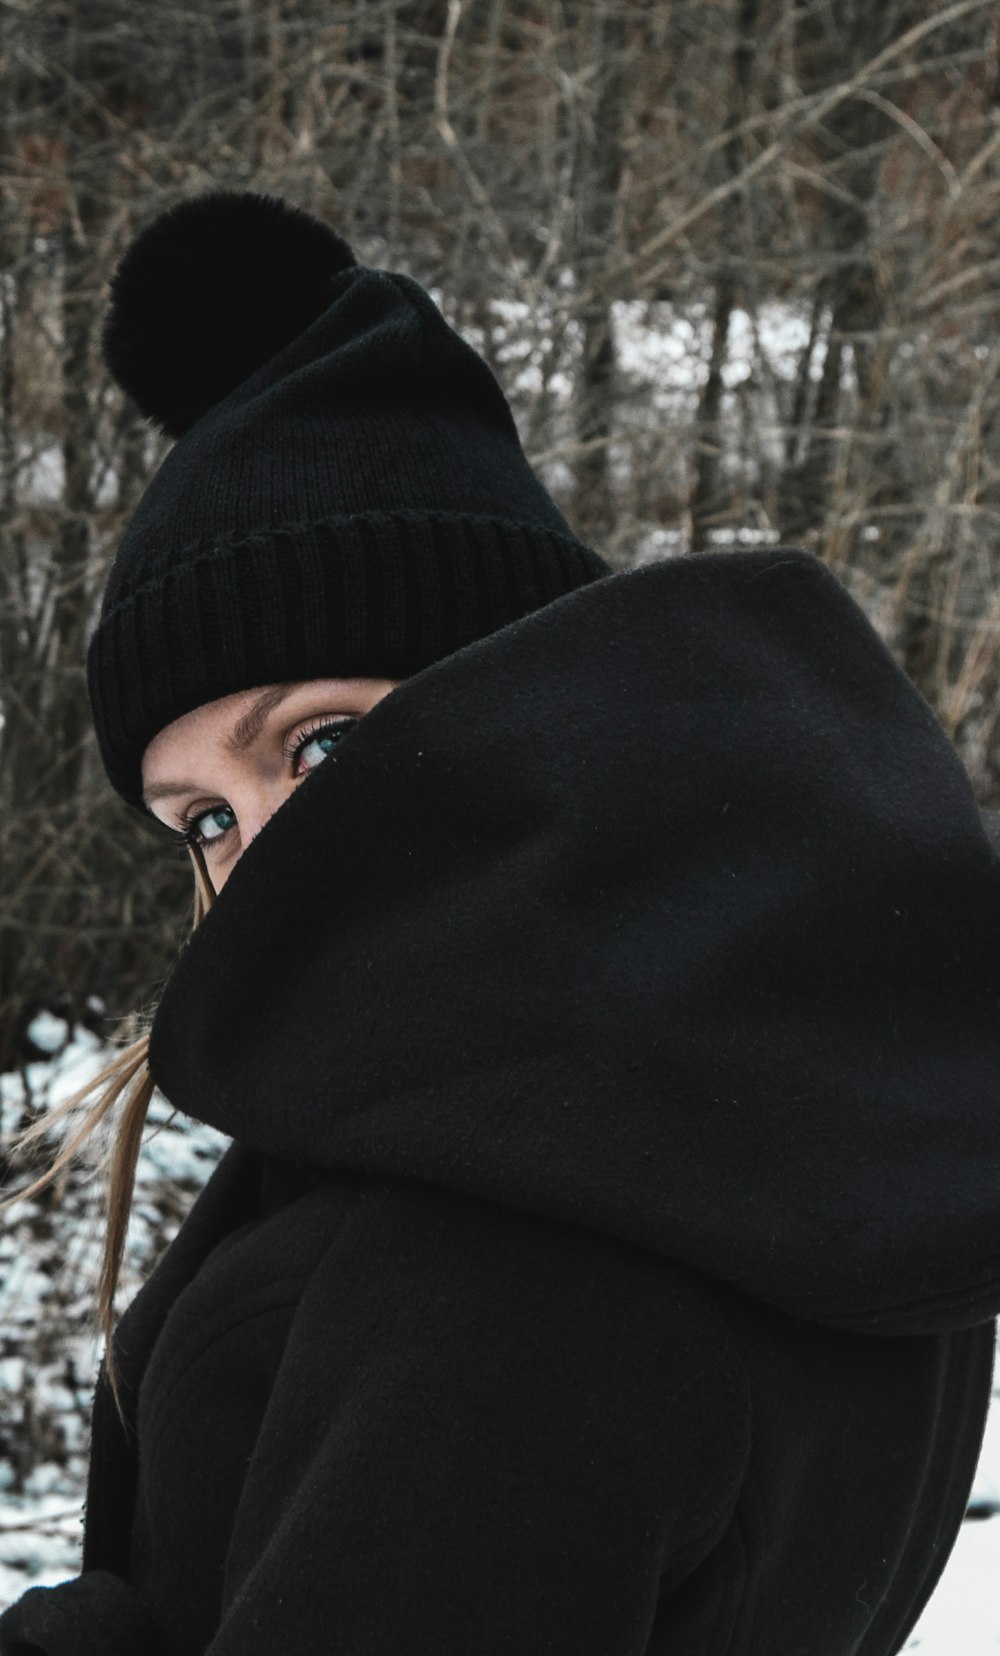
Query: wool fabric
x=357 y=504
x=605 y=1261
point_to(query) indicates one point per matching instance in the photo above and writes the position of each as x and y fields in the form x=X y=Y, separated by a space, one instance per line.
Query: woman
x=605 y=1258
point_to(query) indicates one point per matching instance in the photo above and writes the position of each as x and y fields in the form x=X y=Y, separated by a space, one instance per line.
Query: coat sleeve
x=489 y=1432
x=96 y=1614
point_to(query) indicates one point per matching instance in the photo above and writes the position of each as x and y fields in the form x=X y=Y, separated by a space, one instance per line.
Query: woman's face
x=218 y=773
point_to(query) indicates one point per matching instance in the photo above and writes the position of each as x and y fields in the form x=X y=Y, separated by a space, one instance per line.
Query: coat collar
x=666 y=910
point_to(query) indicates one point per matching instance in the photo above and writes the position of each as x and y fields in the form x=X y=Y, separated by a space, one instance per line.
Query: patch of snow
x=186 y=1153
x=658 y=543
x=986 y=1489
x=47 y=1479
x=781 y=336
x=963 y=1616
x=49 y=1351
x=40 y=1538
x=742 y=535
x=44 y=477
x=558 y=476
x=48 y=1033
x=11 y=1373
x=659 y=347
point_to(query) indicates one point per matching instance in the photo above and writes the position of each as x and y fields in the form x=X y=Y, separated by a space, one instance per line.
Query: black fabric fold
x=609 y=1031
x=667 y=910
x=94 y=1615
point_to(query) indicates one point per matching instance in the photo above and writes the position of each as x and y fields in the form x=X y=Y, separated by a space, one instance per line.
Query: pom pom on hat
x=366 y=511
x=209 y=292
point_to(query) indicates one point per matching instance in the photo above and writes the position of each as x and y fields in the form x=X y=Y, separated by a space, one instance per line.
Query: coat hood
x=667 y=911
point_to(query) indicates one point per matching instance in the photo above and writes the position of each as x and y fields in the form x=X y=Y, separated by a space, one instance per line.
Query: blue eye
x=209 y=825
x=316 y=745
x=311 y=748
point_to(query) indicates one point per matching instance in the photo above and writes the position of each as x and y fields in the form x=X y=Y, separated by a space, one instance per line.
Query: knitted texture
x=359 y=505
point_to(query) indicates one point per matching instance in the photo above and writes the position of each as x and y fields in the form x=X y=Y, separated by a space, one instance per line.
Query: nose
x=255 y=804
x=254 y=801
x=259 y=806
x=253 y=810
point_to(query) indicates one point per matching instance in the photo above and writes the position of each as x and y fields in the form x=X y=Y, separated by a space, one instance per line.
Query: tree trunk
x=708 y=490
x=601 y=174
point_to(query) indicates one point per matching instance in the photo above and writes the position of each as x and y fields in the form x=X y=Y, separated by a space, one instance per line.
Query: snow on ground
x=49 y=1256
x=39 y=1543
x=46 y=1278
x=963 y=1616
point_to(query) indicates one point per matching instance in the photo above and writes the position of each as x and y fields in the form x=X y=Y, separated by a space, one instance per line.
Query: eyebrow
x=249 y=726
x=244 y=733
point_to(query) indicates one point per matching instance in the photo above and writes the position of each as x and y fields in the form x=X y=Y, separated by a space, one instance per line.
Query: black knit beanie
x=347 y=495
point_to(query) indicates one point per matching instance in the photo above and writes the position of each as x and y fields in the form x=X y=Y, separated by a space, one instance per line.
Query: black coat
x=604 y=1266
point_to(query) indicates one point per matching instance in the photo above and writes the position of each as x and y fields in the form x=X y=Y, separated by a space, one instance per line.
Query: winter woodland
x=736 y=263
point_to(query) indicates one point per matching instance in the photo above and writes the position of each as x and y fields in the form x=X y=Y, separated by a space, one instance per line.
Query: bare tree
x=733 y=260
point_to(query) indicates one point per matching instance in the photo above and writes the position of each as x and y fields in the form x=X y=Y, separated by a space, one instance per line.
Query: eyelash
x=188 y=831
x=320 y=727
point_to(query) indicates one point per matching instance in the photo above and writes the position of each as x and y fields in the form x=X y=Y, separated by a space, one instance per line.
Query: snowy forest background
x=737 y=263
